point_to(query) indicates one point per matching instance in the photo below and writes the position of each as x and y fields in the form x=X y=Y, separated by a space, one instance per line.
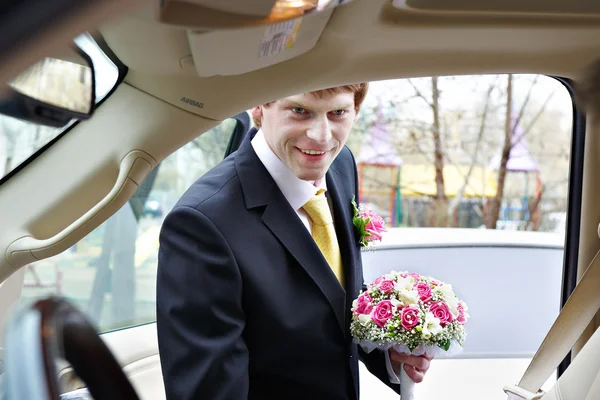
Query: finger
x=415 y=375
x=418 y=362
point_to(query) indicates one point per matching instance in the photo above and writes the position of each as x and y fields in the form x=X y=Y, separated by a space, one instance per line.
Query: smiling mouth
x=312 y=152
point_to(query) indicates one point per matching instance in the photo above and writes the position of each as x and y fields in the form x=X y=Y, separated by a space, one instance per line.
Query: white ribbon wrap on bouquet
x=407 y=385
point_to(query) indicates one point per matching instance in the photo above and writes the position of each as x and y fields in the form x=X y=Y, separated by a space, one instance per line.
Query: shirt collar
x=296 y=191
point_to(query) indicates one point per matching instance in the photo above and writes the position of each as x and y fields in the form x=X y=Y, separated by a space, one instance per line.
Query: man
x=259 y=263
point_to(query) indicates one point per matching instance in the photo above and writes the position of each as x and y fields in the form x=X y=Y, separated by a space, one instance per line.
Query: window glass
x=19 y=140
x=429 y=152
x=471 y=175
x=110 y=274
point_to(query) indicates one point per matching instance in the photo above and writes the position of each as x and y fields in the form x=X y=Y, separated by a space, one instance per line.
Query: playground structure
x=401 y=192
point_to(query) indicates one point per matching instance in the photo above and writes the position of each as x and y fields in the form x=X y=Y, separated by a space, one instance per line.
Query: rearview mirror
x=53 y=91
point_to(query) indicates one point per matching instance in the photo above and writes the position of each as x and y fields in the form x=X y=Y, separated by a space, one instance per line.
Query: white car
x=489 y=270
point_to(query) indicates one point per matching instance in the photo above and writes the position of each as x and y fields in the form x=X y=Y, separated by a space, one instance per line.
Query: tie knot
x=317 y=209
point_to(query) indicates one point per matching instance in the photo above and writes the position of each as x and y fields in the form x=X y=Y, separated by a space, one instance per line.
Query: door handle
x=134 y=167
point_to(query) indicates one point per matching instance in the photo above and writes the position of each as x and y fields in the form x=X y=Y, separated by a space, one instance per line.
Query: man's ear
x=257 y=112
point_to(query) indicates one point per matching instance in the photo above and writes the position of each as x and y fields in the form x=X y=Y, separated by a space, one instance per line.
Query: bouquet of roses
x=412 y=314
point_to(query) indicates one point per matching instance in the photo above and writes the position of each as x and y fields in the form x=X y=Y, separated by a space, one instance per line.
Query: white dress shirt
x=297 y=192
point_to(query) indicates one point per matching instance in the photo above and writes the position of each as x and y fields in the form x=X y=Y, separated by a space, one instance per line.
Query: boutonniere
x=369 y=225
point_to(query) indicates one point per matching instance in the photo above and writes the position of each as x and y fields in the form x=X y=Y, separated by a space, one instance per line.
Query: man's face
x=307 y=133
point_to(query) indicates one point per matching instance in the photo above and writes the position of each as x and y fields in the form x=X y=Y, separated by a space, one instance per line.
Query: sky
x=467 y=93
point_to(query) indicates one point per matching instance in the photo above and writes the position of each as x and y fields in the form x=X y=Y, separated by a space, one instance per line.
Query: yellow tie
x=323 y=232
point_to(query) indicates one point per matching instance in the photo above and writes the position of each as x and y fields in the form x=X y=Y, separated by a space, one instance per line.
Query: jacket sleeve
x=199 y=311
x=376 y=362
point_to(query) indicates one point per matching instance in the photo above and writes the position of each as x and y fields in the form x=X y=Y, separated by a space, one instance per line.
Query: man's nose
x=320 y=130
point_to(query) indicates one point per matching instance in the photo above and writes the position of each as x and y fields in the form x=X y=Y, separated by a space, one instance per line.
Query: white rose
x=453 y=306
x=403 y=284
x=364 y=319
x=446 y=291
x=409 y=297
x=395 y=303
x=432 y=324
x=354 y=304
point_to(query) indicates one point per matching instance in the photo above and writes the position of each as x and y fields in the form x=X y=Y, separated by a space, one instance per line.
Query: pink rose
x=364 y=304
x=383 y=311
x=375 y=227
x=441 y=311
x=377 y=281
x=415 y=275
x=410 y=317
x=386 y=285
x=462 y=319
x=424 y=291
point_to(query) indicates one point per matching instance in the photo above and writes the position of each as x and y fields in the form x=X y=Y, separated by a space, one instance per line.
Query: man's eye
x=339 y=112
x=298 y=110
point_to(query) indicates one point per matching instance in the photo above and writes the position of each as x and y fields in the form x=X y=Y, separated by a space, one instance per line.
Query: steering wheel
x=37 y=335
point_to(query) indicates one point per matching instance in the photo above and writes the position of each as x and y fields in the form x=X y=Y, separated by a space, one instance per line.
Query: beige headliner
x=364 y=40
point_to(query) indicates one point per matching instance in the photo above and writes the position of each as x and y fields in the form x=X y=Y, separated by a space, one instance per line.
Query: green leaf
x=445 y=345
x=355 y=207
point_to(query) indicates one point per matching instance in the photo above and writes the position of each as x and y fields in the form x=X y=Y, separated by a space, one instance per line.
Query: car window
x=110 y=274
x=20 y=140
x=457 y=154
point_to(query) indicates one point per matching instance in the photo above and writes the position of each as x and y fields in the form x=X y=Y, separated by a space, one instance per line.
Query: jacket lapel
x=261 y=191
x=287 y=227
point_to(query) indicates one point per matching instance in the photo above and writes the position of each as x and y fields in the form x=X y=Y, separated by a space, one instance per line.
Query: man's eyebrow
x=347 y=105
x=300 y=105
x=289 y=103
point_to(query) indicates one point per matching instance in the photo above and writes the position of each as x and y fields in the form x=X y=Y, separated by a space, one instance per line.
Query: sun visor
x=548 y=7
x=259 y=46
x=232 y=14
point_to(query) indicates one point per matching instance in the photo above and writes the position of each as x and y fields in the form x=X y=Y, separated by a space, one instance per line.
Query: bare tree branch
x=525 y=102
x=508 y=129
x=419 y=94
x=534 y=120
x=459 y=196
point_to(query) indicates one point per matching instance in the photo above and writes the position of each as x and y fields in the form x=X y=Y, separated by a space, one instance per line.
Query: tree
x=508 y=130
x=475 y=158
x=439 y=205
x=510 y=141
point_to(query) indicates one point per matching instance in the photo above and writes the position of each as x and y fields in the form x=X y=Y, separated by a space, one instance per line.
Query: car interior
x=168 y=75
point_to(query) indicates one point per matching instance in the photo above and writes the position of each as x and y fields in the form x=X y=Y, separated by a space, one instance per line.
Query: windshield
x=19 y=140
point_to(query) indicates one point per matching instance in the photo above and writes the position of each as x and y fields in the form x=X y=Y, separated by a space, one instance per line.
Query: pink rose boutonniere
x=369 y=225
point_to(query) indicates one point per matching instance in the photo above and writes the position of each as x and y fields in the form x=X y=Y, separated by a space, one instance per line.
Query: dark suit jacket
x=247 y=307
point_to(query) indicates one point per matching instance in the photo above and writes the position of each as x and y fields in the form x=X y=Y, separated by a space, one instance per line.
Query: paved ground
x=450 y=379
